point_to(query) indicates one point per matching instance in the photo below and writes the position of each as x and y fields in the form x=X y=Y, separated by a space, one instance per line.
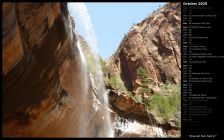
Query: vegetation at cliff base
x=116 y=83
x=165 y=105
x=138 y=98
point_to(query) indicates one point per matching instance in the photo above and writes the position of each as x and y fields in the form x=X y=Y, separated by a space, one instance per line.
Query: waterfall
x=124 y=127
x=132 y=128
x=83 y=85
x=79 y=12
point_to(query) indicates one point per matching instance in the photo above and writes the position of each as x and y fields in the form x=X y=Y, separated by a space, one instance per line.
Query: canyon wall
x=153 y=44
x=42 y=78
x=144 y=73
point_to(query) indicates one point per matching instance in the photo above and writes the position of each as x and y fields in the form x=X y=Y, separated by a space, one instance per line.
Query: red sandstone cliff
x=42 y=83
x=153 y=44
x=42 y=78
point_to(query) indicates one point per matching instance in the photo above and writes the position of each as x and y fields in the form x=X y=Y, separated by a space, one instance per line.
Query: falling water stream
x=123 y=126
x=79 y=11
x=132 y=128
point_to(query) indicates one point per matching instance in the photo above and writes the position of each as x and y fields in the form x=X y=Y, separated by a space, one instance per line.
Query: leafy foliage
x=165 y=106
x=141 y=73
x=116 y=83
x=138 y=98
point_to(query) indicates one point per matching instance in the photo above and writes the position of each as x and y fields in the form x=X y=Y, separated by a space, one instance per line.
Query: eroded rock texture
x=42 y=78
x=127 y=107
x=153 y=44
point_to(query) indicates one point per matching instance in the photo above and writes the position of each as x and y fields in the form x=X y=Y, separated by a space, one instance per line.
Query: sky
x=110 y=21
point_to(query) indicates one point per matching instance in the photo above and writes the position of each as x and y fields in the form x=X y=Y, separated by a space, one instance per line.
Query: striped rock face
x=153 y=44
x=40 y=71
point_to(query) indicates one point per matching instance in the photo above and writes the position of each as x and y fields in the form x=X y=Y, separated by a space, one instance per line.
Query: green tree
x=165 y=106
x=141 y=73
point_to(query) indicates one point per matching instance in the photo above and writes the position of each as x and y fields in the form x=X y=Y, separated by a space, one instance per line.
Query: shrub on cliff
x=165 y=105
x=142 y=75
x=116 y=83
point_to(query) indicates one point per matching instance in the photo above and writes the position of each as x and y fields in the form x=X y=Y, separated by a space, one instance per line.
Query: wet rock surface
x=154 y=45
x=42 y=75
x=128 y=108
x=42 y=78
x=34 y=33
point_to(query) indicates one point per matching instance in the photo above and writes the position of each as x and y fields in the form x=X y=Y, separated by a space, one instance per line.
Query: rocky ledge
x=128 y=108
